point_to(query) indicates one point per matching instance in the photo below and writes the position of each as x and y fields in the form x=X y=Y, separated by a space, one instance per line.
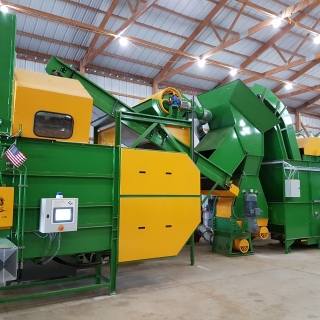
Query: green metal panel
x=272 y=180
x=297 y=218
x=223 y=116
x=7 y=62
x=274 y=147
x=240 y=96
x=250 y=137
x=250 y=165
x=149 y=107
x=286 y=127
x=85 y=172
x=222 y=156
x=214 y=139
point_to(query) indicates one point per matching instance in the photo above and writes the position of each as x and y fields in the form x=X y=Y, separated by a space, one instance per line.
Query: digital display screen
x=62 y=215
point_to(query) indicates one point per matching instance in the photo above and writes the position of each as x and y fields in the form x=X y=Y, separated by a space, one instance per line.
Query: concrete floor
x=266 y=285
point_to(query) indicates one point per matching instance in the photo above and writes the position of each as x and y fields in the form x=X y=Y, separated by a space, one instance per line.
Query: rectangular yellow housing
x=6 y=207
x=107 y=136
x=310 y=146
x=49 y=107
x=159 y=203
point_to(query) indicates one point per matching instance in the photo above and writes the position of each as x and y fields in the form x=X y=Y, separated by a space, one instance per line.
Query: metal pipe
x=19 y=207
x=192 y=131
x=206 y=233
x=23 y=210
x=200 y=122
x=79 y=265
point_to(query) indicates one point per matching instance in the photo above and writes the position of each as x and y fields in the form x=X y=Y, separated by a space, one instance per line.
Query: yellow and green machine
x=136 y=192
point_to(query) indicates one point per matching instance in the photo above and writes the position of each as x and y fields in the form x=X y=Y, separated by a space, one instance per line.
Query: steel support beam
x=302 y=4
x=190 y=39
x=119 y=31
x=96 y=36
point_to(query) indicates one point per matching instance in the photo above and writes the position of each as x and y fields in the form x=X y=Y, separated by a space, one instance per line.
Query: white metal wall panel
x=122 y=87
x=30 y=65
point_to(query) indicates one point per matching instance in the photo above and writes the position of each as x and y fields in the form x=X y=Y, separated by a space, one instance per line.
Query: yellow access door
x=159 y=203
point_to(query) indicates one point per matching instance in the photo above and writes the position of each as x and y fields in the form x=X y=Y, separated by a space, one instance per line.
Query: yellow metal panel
x=156 y=227
x=6 y=207
x=224 y=207
x=107 y=136
x=310 y=146
x=183 y=134
x=39 y=92
x=145 y=172
x=262 y=222
x=232 y=192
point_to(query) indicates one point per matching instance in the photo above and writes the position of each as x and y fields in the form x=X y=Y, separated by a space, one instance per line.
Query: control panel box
x=292 y=188
x=6 y=207
x=58 y=215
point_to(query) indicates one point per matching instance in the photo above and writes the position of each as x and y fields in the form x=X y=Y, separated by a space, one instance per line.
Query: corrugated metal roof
x=291 y=102
x=165 y=21
x=245 y=46
x=232 y=59
x=189 y=8
x=284 y=74
x=180 y=19
x=189 y=81
x=209 y=71
x=207 y=36
x=259 y=67
x=308 y=81
x=266 y=83
x=307 y=95
x=315 y=71
x=126 y=66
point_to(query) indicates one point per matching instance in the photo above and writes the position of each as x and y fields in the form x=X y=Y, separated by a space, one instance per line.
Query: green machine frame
x=98 y=210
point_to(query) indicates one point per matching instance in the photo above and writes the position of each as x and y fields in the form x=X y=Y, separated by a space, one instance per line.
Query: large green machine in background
x=135 y=192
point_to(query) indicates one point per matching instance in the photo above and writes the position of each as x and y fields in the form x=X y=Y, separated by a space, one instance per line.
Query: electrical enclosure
x=292 y=188
x=58 y=215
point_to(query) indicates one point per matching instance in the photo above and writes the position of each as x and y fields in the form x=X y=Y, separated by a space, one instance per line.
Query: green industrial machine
x=232 y=149
x=134 y=193
x=290 y=179
x=236 y=142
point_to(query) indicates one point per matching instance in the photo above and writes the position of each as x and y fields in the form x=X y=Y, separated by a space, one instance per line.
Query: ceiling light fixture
x=288 y=86
x=276 y=22
x=201 y=63
x=233 y=72
x=123 y=41
x=4 y=8
x=316 y=40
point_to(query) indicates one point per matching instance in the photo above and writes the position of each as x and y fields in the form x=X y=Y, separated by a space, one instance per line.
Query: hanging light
x=288 y=86
x=276 y=22
x=201 y=63
x=316 y=40
x=233 y=72
x=123 y=41
x=4 y=8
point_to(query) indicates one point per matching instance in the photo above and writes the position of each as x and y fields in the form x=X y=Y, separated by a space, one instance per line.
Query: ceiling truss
x=169 y=69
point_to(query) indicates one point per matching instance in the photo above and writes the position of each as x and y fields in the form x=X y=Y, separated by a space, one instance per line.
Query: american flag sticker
x=15 y=156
